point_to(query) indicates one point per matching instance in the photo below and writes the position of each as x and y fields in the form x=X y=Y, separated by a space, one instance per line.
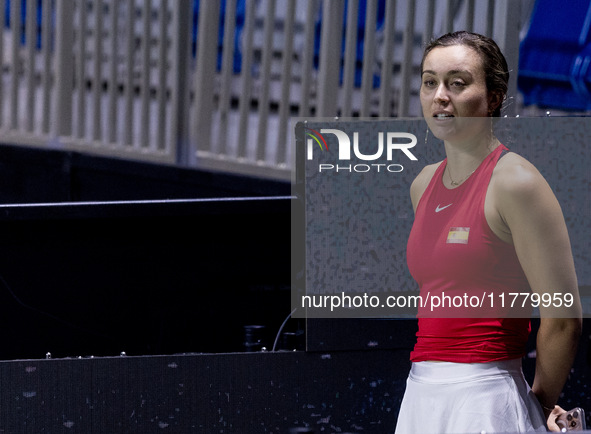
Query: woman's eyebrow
x=451 y=72
x=459 y=71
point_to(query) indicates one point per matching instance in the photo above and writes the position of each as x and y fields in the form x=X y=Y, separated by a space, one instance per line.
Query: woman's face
x=454 y=86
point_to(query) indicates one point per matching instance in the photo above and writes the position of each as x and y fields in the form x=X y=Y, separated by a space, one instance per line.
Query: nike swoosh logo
x=441 y=208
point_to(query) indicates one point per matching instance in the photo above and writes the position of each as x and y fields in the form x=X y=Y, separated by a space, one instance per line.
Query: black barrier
x=229 y=393
x=144 y=277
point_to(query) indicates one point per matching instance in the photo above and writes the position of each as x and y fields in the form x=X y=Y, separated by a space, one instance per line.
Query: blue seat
x=554 y=56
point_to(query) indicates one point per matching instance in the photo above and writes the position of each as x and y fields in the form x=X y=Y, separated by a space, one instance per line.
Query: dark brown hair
x=494 y=63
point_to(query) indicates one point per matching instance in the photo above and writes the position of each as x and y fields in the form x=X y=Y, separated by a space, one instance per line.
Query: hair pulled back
x=494 y=63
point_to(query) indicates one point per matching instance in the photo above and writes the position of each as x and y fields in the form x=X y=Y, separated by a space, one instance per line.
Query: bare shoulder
x=516 y=178
x=519 y=196
x=420 y=183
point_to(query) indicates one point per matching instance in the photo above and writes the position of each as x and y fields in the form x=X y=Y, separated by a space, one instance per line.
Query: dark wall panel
x=145 y=278
x=30 y=175
x=226 y=393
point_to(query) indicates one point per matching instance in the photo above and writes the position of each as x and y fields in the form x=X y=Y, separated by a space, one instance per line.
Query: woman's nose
x=441 y=96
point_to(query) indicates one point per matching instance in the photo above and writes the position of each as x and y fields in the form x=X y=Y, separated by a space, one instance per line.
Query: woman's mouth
x=443 y=115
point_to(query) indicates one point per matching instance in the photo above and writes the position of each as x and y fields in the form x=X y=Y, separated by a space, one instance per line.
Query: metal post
x=181 y=55
x=388 y=59
x=64 y=76
x=369 y=44
x=330 y=57
x=407 y=61
x=506 y=35
x=205 y=74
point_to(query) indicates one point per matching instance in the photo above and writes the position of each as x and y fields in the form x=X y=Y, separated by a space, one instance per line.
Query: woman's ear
x=494 y=101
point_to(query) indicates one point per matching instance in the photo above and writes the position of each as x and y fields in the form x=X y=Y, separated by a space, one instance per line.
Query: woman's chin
x=457 y=128
x=443 y=128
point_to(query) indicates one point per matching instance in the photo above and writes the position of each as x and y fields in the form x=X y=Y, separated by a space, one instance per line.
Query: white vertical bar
x=145 y=73
x=246 y=78
x=490 y=17
x=330 y=56
x=113 y=62
x=81 y=69
x=179 y=134
x=470 y=15
x=387 y=59
x=350 y=57
x=265 y=80
x=226 y=73
x=286 y=81
x=15 y=27
x=368 y=56
x=205 y=72
x=31 y=43
x=506 y=34
x=308 y=57
x=162 y=81
x=449 y=16
x=407 y=60
x=46 y=32
x=63 y=75
x=129 y=85
x=430 y=21
x=97 y=73
x=2 y=99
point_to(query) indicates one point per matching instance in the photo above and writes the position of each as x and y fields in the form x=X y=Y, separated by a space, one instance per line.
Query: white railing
x=216 y=88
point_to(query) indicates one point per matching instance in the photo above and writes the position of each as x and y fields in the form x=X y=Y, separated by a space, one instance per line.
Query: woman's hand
x=551 y=417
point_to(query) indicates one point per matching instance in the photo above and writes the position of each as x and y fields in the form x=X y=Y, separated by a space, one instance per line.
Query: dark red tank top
x=453 y=252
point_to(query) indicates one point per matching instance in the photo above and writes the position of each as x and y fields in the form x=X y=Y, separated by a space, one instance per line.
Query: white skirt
x=445 y=397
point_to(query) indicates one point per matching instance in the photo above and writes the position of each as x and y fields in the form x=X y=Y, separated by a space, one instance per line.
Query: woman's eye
x=429 y=83
x=458 y=83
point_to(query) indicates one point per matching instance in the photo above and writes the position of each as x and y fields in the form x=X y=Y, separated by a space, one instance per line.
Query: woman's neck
x=464 y=158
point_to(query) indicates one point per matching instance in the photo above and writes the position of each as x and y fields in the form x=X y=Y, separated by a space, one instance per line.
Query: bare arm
x=420 y=184
x=535 y=223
